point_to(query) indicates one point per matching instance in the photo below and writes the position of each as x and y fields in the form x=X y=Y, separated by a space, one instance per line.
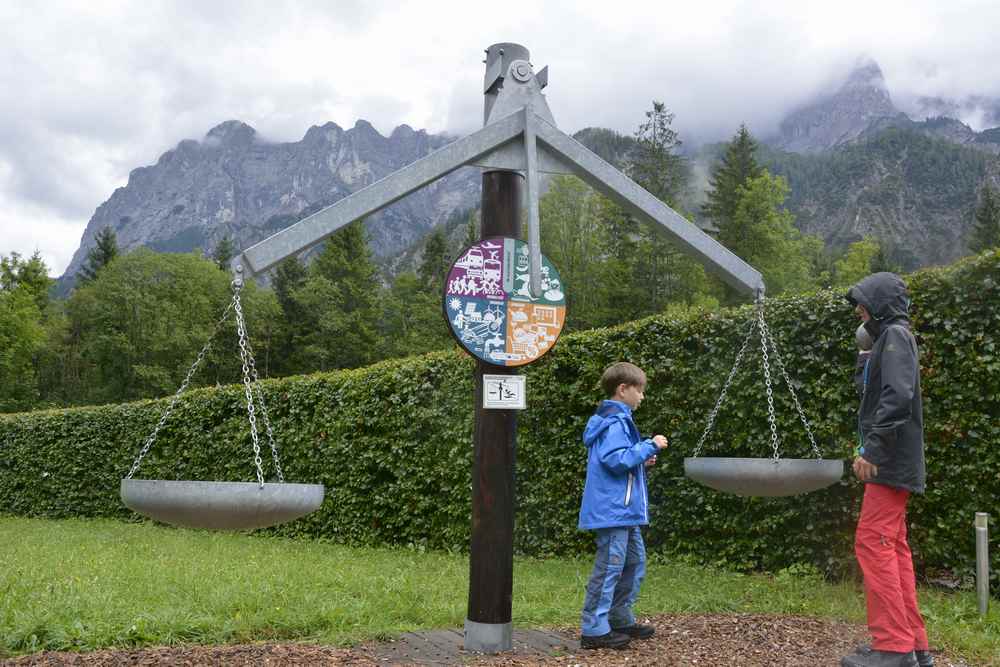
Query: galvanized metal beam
x=612 y=183
x=371 y=199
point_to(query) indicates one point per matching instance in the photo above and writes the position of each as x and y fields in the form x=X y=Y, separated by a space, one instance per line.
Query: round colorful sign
x=490 y=308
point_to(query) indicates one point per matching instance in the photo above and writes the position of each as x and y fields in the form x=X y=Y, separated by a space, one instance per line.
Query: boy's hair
x=622 y=373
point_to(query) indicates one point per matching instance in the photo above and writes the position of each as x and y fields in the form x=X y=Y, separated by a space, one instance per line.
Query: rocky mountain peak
x=866 y=74
x=233 y=184
x=231 y=133
x=840 y=117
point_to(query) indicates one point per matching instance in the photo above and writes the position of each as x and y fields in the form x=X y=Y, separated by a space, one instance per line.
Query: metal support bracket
x=519 y=111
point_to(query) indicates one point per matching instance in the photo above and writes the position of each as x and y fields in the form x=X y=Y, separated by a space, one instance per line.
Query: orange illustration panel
x=532 y=330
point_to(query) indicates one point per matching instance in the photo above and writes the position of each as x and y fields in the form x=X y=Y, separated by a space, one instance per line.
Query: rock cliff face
x=234 y=183
x=839 y=118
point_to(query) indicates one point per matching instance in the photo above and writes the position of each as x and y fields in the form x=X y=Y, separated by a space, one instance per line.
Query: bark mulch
x=702 y=640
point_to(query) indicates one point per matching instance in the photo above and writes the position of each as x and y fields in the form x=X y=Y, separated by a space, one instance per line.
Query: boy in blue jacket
x=614 y=506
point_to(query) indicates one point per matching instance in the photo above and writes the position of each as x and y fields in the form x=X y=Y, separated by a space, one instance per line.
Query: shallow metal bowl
x=764 y=477
x=220 y=505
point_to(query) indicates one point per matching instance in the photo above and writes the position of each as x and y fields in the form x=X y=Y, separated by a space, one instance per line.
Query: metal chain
x=247 y=387
x=263 y=413
x=725 y=388
x=170 y=408
x=795 y=398
x=764 y=334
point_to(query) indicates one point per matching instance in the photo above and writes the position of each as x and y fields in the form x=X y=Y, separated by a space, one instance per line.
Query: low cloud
x=92 y=91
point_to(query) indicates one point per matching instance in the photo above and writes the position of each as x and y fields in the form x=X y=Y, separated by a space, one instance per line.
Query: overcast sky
x=91 y=90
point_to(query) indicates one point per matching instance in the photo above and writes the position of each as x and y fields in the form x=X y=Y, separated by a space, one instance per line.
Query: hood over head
x=884 y=296
x=599 y=422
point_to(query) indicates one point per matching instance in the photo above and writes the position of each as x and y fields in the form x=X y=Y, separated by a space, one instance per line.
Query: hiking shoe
x=608 y=640
x=866 y=656
x=924 y=658
x=637 y=631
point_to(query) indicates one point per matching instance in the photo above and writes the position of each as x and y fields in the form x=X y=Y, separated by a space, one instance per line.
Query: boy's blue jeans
x=614 y=584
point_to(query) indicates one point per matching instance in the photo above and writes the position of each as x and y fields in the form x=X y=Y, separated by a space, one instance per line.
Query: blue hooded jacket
x=615 y=491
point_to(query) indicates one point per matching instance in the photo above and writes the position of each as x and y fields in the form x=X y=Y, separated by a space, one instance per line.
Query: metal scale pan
x=220 y=505
x=763 y=477
x=766 y=477
x=217 y=505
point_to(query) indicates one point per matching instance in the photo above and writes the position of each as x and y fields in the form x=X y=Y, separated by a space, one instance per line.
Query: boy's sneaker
x=608 y=640
x=866 y=656
x=637 y=631
x=924 y=658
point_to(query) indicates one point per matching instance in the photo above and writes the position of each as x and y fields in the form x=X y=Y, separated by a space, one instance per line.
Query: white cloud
x=93 y=90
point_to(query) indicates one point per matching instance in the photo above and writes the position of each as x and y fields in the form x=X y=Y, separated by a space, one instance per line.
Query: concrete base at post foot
x=488 y=637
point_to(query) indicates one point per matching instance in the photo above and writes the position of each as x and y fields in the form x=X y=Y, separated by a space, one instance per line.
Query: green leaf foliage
x=392 y=442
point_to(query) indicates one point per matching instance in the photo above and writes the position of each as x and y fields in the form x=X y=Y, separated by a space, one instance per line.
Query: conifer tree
x=104 y=250
x=471 y=230
x=665 y=274
x=289 y=276
x=738 y=165
x=654 y=163
x=224 y=252
x=435 y=261
x=986 y=229
x=31 y=274
x=342 y=296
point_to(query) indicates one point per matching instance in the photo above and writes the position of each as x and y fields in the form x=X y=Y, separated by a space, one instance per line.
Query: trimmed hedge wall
x=392 y=442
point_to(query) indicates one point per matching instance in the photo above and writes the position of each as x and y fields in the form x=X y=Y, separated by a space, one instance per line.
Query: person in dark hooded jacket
x=890 y=460
x=614 y=505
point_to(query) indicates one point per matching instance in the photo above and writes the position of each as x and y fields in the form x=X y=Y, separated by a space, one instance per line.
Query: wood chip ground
x=701 y=640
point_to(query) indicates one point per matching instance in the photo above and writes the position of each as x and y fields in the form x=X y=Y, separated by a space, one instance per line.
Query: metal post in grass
x=982 y=562
x=491 y=550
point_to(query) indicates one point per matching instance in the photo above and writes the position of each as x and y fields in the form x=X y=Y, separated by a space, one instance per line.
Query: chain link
x=173 y=402
x=766 y=340
x=247 y=386
x=725 y=387
x=795 y=398
x=764 y=334
x=263 y=413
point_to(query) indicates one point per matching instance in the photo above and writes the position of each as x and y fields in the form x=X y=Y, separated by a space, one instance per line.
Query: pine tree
x=986 y=230
x=104 y=250
x=767 y=235
x=290 y=276
x=31 y=274
x=654 y=163
x=738 y=166
x=471 y=230
x=435 y=262
x=883 y=260
x=665 y=273
x=224 y=252
x=342 y=296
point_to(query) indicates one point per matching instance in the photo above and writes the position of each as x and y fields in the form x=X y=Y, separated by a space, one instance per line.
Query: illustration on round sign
x=490 y=308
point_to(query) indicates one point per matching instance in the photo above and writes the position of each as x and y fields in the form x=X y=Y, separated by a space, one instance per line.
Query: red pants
x=890 y=585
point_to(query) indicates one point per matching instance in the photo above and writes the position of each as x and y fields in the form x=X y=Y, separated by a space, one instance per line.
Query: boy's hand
x=651 y=461
x=660 y=442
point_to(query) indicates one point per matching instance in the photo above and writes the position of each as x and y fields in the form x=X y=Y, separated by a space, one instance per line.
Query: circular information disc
x=490 y=308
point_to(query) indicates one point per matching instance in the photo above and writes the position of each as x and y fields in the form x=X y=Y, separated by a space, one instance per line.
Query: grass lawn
x=88 y=584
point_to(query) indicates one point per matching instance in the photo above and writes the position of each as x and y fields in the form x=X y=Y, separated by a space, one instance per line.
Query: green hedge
x=392 y=442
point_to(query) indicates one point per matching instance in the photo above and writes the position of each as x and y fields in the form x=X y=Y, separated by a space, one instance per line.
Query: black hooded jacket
x=891 y=414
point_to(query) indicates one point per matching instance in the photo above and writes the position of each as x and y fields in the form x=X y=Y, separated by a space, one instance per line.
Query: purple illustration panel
x=478 y=274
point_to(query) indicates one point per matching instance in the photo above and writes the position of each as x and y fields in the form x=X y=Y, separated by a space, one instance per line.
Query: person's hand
x=864 y=470
x=651 y=461
x=660 y=442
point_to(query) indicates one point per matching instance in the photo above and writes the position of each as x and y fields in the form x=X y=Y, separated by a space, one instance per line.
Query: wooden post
x=491 y=551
